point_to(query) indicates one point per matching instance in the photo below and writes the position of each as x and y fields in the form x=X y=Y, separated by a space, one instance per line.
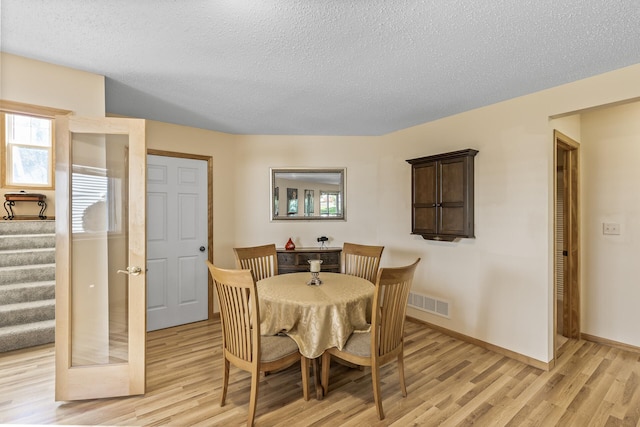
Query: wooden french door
x=100 y=257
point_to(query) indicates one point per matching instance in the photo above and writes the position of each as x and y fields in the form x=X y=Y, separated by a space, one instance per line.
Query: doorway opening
x=566 y=241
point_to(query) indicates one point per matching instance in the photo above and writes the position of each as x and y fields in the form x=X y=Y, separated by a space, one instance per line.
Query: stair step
x=29 y=291
x=27 y=241
x=27 y=283
x=14 y=257
x=28 y=227
x=27 y=335
x=27 y=273
x=27 y=312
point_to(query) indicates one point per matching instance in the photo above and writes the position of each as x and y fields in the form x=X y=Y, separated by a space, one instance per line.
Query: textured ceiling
x=332 y=67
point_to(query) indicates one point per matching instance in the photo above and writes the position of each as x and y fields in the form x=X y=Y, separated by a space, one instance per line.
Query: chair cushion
x=276 y=347
x=359 y=343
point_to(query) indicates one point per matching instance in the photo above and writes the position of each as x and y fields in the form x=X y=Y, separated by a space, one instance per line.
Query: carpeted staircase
x=27 y=283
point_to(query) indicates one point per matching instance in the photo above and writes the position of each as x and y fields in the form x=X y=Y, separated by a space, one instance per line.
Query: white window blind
x=93 y=201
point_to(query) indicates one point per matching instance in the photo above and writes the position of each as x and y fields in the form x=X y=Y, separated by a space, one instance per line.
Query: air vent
x=429 y=304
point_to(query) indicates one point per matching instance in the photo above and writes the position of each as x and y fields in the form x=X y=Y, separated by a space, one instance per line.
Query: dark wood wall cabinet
x=442 y=195
x=291 y=261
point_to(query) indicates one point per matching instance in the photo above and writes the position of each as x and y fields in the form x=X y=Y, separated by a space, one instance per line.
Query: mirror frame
x=342 y=187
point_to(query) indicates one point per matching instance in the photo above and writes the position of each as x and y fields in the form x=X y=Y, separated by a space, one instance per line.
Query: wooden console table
x=291 y=261
x=12 y=198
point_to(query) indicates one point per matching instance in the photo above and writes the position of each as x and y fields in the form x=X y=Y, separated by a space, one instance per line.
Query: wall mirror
x=308 y=194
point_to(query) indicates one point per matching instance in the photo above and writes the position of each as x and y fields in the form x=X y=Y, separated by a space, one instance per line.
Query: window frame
x=19 y=108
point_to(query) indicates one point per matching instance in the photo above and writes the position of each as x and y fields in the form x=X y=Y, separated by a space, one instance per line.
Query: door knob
x=202 y=248
x=134 y=271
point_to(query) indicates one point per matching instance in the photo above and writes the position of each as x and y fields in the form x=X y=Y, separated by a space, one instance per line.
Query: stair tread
x=42 y=324
x=27 y=267
x=28 y=285
x=21 y=251
x=26 y=305
x=21 y=237
x=28 y=235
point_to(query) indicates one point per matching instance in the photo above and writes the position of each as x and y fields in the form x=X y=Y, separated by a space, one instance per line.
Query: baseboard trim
x=610 y=343
x=546 y=366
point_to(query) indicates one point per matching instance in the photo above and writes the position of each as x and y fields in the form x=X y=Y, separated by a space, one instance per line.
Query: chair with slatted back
x=384 y=343
x=242 y=344
x=361 y=260
x=261 y=260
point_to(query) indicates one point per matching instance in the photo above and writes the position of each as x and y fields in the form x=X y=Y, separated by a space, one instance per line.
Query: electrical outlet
x=611 y=228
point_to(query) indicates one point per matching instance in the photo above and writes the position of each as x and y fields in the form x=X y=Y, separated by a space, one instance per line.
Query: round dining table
x=316 y=317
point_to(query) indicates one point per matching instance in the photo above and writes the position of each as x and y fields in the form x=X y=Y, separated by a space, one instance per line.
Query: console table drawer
x=288 y=258
x=290 y=261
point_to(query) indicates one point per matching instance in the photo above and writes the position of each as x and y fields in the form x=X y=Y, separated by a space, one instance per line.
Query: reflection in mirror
x=304 y=194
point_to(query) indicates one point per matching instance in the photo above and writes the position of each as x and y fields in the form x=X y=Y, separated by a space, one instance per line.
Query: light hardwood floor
x=449 y=383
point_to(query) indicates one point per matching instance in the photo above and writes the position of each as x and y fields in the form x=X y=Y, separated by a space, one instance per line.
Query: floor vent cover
x=429 y=304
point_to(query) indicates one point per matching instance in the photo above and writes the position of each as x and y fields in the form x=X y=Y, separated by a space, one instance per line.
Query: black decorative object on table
x=323 y=240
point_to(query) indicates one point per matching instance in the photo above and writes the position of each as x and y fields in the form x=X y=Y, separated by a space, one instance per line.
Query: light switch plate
x=611 y=228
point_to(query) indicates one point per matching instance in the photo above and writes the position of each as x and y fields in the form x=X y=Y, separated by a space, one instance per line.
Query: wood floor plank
x=449 y=383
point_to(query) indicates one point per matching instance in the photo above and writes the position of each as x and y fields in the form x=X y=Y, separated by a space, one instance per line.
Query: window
x=28 y=151
x=330 y=203
x=27 y=145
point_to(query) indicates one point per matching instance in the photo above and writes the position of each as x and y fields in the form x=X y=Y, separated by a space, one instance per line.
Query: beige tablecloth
x=316 y=317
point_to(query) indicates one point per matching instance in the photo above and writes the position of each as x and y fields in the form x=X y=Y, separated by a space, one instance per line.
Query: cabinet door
x=425 y=198
x=453 y=197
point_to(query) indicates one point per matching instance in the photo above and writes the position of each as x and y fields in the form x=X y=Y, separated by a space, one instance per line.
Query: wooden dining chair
x=361 y=260
x=385 y=341
x=261 y=260
x=242 y=344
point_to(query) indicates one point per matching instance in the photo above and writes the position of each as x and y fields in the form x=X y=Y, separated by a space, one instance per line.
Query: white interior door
x=177 y=240
x=100 y=257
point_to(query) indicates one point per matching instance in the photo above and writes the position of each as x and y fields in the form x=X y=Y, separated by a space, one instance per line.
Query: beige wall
x=257 y=154
x=610 y=145
x=499 y=284
x=38 y=83
x=221 y=147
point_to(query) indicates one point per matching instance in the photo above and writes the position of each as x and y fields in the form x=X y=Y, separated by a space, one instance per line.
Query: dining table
x=315 y=316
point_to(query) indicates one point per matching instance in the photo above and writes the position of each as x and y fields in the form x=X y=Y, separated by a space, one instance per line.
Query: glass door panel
x=99 y=248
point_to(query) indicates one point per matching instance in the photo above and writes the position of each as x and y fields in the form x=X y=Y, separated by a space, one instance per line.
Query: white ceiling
x=331 y=67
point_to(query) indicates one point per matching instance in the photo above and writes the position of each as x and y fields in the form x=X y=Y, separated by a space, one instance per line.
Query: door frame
x=571 y=297
x=209 y=160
